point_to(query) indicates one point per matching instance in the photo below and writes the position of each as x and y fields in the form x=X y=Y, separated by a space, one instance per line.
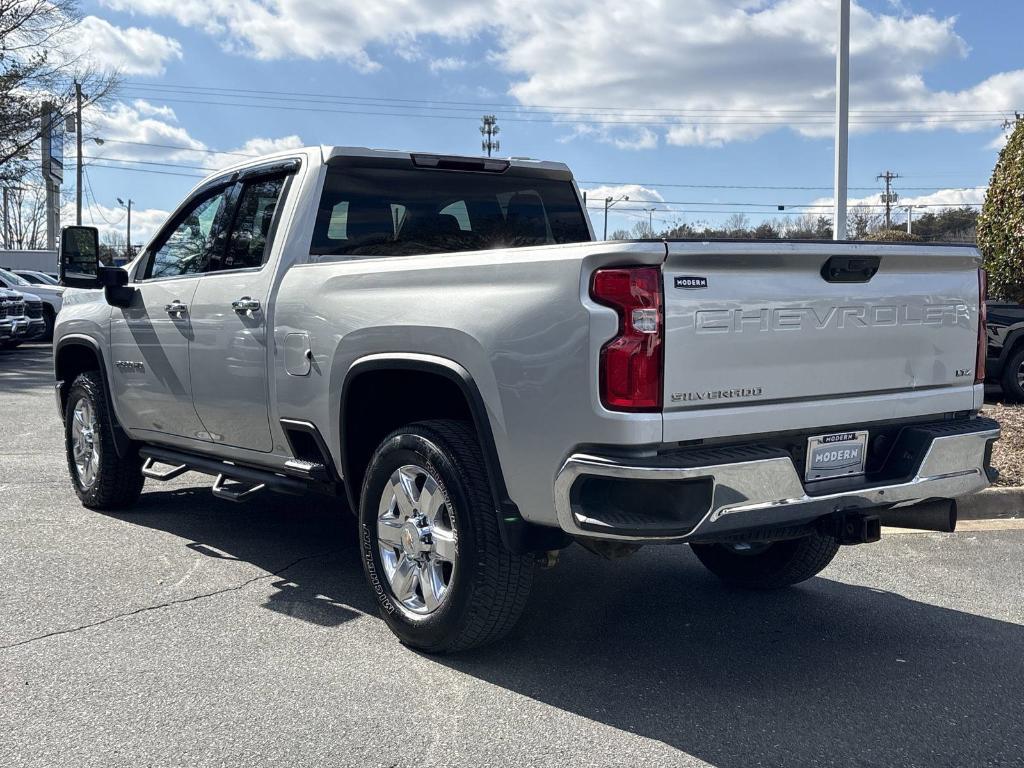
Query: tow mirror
x=79 y=263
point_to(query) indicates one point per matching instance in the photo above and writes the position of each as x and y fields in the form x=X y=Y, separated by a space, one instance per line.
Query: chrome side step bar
x=234 y=482
x=237 y=492
x=154 y=474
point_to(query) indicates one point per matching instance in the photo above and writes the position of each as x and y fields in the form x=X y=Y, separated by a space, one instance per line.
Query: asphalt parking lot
x=192 y=631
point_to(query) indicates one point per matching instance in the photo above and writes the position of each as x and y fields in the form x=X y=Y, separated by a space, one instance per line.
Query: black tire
x=771 y=565
x=118 y=481
x=489 y=585
x=1012 y=389
x=50 y=318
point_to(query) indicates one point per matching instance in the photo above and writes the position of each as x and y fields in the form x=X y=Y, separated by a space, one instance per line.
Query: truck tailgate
x=751 y=323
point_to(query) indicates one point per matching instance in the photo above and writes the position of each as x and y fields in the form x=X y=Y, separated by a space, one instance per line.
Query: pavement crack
x=167 y=604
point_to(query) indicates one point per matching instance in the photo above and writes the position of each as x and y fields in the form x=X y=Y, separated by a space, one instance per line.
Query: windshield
x=37 y=278
x=398 y=211
x=12 y=279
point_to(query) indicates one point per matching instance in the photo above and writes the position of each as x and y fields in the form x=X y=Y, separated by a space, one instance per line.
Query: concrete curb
x=992 y=503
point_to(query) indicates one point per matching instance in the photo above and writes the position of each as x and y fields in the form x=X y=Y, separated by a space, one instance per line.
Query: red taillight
x=631 y=362
x=979 y=365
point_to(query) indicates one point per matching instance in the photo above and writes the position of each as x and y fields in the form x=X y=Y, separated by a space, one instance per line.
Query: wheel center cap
x=413 y=539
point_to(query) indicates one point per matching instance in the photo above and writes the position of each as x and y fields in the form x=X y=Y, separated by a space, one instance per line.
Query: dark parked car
x=1005 y=358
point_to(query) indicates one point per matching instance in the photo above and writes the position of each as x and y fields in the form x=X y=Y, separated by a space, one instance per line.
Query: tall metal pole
x=607 y=200
x=7 y=219
x=78 y=142
x=842 y=119
x=128 y=248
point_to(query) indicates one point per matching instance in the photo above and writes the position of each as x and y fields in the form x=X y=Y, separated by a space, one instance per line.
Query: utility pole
x=890 y=198
x=78 y=142
x=608 y=203
x=842 y=119
x=489 y=129
x=128 y=246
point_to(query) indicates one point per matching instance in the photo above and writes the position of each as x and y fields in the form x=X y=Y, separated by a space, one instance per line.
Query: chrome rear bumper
x=767 y=492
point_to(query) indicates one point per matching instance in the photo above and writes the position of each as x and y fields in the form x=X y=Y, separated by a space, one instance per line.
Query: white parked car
x=52 y=296
x=35 y=277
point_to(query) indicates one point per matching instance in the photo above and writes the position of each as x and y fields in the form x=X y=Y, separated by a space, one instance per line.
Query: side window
x=248 y=243
x=187 y=249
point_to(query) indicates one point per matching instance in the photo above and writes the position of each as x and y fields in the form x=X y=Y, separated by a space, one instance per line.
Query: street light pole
x=842 y=119
x=608 y=203
x=128 y=245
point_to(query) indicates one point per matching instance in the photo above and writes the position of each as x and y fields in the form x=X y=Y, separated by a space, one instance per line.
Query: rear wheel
x=768 y=565
x=1013 y=377
x=101 y=478
x=431 y=546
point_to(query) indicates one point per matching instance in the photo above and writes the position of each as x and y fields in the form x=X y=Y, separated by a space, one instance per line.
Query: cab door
x=149 y=339
x=229 y=349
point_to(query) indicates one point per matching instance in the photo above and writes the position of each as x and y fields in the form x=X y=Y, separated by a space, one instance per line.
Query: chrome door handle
x=176 y=308
x=245 y=304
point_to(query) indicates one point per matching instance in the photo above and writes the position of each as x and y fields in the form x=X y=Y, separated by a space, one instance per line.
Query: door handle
x=245 y=304
x=176 y=308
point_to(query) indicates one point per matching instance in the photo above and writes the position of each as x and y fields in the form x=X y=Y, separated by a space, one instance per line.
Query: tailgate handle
x=850 y=269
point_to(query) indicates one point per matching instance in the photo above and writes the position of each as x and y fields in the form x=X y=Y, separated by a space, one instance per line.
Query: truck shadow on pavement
x=826 y=673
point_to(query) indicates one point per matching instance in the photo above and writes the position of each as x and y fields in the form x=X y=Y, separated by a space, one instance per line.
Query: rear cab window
x=392 y=207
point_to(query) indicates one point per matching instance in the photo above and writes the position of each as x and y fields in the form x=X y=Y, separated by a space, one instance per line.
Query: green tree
x=1001 y=223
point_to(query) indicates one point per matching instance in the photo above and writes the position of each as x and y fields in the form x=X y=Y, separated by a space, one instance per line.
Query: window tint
x=188 y=248
x=249 y=240
x=400 y=211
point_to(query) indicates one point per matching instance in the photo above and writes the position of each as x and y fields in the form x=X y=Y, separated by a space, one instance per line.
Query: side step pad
x=169 y=474
x=235 y=491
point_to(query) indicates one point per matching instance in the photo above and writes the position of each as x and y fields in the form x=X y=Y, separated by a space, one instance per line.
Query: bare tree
x=38 y=62
x=26 y=218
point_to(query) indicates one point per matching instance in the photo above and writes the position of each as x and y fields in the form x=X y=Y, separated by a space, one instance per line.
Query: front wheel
x=431 y=546
x=101 y=478
x=768 y=565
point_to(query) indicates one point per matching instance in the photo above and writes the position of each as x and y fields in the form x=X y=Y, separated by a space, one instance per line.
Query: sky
x=697 y=109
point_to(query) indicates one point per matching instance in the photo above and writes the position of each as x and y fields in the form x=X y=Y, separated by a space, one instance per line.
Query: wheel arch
x=73 y=355
x=445 y=389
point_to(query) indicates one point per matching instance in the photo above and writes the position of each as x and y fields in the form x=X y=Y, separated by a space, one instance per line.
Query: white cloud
x=935 y=201
x=130 y=50
x=447 y=64
x=707 y=71
x=145 y=136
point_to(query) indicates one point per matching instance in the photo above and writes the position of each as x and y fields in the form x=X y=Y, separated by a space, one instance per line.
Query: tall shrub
x=1001 y=223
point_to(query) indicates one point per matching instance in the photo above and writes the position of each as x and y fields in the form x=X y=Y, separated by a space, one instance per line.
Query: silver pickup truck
x=438 y=343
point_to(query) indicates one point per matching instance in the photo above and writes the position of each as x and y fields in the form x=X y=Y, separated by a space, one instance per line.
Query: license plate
x=836 y=455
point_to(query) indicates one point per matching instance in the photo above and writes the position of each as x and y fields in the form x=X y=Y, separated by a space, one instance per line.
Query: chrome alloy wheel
x=1020 y=375
x=417 y=539
x=85 y=443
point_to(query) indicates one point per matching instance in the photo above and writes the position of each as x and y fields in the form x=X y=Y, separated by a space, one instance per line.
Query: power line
x=96 y=205
x=475 y=106
x=151 y=162
x=180 y=147
x=95 y=164
x=767 y=187
x=572 y=119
